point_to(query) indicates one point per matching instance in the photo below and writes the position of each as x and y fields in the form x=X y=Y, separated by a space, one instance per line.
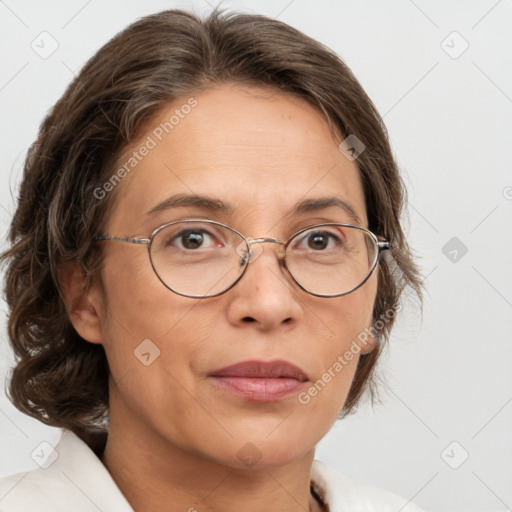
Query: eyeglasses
x=202 y=258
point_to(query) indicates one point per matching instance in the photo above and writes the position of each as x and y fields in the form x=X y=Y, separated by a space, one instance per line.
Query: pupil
x=192 y=240
x=317 y=242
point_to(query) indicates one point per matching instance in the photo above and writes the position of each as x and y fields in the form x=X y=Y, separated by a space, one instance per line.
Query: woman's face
x=260 y=153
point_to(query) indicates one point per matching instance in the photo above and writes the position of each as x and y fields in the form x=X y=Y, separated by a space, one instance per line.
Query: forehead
x=255 y=149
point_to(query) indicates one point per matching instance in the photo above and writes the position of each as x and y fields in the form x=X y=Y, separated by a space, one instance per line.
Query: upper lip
x=270 y=369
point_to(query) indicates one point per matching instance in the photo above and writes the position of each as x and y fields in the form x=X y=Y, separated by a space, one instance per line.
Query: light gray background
x=450 y=121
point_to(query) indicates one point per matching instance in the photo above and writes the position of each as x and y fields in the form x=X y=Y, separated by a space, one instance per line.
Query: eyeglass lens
x=201 y=259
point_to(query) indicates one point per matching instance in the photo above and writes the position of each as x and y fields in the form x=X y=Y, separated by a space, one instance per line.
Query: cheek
x=328 y=392
x=320 y=404
x=152 y=352
x=143 y=322
x=340 y=328
x=138 y=305
x=343 y=319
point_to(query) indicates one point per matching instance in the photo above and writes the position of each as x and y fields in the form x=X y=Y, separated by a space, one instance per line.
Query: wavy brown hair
x=60 y=378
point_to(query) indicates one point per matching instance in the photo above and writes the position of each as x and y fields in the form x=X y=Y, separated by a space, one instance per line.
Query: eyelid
x=300 y=225
x=315 y=228
x=208 y=229
x=337 y=237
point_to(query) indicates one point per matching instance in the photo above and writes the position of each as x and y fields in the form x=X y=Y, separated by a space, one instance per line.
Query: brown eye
x=191 y=239
x=318 y=241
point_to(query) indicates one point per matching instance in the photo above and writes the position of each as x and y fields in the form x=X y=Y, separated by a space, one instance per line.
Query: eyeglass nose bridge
x=255 y=249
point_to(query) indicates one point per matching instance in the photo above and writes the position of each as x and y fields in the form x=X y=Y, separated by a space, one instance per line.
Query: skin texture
x=175 y=436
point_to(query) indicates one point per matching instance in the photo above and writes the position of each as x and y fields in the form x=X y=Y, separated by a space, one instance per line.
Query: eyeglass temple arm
x=383 y=245
x=100 y=238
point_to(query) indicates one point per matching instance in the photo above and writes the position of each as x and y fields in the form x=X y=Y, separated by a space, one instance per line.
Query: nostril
x=248 y=319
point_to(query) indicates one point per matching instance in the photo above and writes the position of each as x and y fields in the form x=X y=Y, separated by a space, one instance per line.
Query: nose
x=265 y=297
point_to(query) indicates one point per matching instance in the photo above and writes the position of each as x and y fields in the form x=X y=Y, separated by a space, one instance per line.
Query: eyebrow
x=203 y=202
x=211 y=204
x=311 y=205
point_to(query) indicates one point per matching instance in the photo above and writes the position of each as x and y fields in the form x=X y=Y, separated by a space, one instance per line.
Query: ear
x=367 y=340
x=81 y=304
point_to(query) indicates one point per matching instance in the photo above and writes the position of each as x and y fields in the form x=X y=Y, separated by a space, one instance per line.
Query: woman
x=206 y=261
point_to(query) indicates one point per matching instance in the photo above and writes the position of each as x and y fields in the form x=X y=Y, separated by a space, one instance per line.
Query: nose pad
x=250 y=251
x=256 y=249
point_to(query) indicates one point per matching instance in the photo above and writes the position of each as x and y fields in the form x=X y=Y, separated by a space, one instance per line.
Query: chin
x=257 y=453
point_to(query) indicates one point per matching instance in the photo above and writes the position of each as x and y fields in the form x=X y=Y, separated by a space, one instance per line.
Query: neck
x=155 y=474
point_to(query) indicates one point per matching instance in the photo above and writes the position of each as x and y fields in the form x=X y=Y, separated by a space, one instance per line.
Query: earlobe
x=81 y=304
x=367 y=340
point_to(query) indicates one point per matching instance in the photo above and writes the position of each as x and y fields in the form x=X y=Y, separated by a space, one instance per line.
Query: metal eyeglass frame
x=381 y=245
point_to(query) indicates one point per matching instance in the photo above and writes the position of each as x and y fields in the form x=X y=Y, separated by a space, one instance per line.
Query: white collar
x=78 y=479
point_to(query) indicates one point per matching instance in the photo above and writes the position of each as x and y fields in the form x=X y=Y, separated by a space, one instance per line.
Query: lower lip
x=260 y=389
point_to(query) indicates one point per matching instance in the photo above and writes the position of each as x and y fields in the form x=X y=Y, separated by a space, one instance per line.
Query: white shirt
x=77 y=481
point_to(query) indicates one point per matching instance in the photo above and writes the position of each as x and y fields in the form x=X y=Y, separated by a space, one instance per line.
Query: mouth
x=261 y=381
